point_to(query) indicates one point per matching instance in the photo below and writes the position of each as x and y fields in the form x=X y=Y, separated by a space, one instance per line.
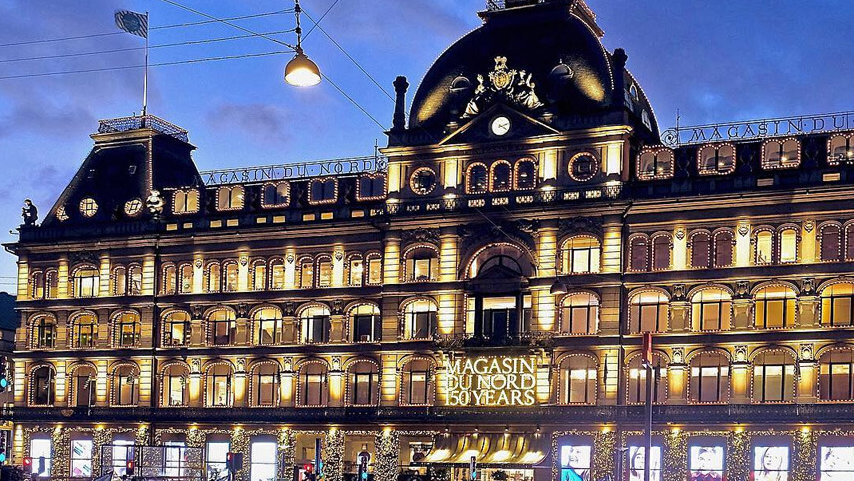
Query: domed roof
x=541 y=58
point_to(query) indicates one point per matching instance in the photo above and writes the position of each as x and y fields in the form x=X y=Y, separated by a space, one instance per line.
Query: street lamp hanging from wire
x=301 y=71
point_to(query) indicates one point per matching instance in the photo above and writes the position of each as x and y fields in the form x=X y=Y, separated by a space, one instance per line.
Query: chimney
x=619 y=58
x=399 y=121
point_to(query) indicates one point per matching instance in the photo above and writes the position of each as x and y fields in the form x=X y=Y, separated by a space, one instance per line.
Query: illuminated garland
x=333 y=463
x=387 y=456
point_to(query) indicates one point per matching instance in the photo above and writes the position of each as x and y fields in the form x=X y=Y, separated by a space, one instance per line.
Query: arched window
x=86 y=281
x=229 y=198
x=127 y=329
x=421 y=264
x=265 y=384
x=661 y=248
x=51 y=287
x=711 y=310
x=724 y=246
x=774 y=307
x=36 y=287
x=82 y=389
x=231 y=280
x=173 y=387
x=363 y=379
x=84 y=330
x=42 y=385
x=170 y=280
x=366 y=323
x=701 y=249
x=119 y=281
x=134 y=280
x=323 y=191
x=43 y=332
x=275 y=194
x=324 y=271
x=840 y=148
x=258 y=274
x=830 y=243
x=221 y=327
x=789 y=245
x=213 y=277
x=636 y=379
x=371 y=186
x=306 y=273
x=313 y=385
x=764 y=247
x=639 y=253
x=580 y=255
x=267 y=323
x=477 y=180
x=716 y=159
x=374 y=275
x=578 y=377
x=837 y=305
x=416 y=386
x=709 y=378
x=125 y=381
x=773 y=377
x=781 y=154
x=277 y=274
x=655 y=163
x=355 y=270
x=186 y=281
x=510 y=259
x=185 y=202
x=499 y=180
x=579 y=314
x=849 y=242
x=176 y=328
x=315 y=324
x=419 y=319
x=648 y=312
x=218 y=385
x=525 y=177
x=836 y=375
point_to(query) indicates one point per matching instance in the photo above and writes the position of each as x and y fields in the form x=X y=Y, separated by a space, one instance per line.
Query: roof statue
x=509 y=85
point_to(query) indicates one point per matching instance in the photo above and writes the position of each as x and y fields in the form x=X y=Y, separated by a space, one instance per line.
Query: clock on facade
x=500 y=125
x=423 y=181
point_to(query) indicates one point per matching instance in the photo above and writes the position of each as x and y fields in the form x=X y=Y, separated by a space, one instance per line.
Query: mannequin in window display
x=707 y=464
x=772 y=465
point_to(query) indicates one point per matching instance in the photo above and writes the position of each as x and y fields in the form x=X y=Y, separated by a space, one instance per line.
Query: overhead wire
x=226 y=22
x=159 y=27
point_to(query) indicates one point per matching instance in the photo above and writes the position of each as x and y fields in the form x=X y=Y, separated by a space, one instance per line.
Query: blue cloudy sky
x=714 y=61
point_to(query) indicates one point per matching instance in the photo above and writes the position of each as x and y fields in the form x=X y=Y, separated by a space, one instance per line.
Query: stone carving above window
x=503 y=84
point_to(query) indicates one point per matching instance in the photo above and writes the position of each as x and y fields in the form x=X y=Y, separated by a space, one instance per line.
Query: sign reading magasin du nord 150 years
x=491 y=381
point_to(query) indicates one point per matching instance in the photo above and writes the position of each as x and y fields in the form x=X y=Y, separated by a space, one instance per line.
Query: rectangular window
x=122 y=452
x=216 y=453
x=835 y=463
x=575 y=462
x=42 y=454
x=357 y=270
x=706 y=463
x=770 y=463
x=175 y=459
x=375 y=271
x=637 y=461
x=789 y=246
x=366 y=328
x=263 y=461
x=314 y=385
x=764 y=244
x=324 y=271
x=81 y=458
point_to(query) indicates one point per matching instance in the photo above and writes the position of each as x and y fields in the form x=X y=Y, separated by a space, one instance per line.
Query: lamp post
x=301 y=71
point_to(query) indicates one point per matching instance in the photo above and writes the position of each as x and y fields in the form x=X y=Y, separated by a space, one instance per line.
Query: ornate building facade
x=479 y=290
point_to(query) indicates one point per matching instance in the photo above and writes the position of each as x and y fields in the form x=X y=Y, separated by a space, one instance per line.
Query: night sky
x=714 y=61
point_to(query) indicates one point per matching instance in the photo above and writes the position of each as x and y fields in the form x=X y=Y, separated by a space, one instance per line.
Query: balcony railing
x=125 y=124
x=492 y=5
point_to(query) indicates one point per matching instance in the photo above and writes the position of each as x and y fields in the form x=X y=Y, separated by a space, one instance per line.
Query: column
x=62 y=290
x=391 y=258
x=679 y=316
x=448 y=254
x=740 y=382
x=677 y=380
x=389 y=388
x=104 y=275
x=612 y=245
x=24 y=277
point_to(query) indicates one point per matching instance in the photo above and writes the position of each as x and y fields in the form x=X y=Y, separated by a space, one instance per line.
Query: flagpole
x=145 y=78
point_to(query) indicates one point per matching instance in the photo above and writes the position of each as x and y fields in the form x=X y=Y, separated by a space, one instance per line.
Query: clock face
x=500 y=125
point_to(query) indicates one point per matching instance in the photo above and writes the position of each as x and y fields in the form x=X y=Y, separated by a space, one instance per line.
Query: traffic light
x=308 y=472
x=129 y=467
x=363 y=468
x=27 y=465
x=4 y=377
x=2 y=456
x=233 y=461
x=473 y=468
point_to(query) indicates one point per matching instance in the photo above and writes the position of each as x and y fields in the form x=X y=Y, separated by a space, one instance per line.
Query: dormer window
x=633 y=91
x=275 y=194
x=371 y=187
x=840 y=149
x=323 y=191
x=230 y=198
x=88 y=207
x=781 y=154
x=716 y=159
x=655 y=163
x=185 y=202
x=477 y=180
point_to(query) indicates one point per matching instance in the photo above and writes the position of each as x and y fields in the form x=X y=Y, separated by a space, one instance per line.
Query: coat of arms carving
x=503 y=83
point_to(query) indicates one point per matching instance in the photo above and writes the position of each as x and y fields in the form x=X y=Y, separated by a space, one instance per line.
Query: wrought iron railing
x=492 y=5
x=125 y=124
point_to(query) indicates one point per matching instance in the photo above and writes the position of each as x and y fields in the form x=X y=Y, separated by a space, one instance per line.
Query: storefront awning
x=505 y=449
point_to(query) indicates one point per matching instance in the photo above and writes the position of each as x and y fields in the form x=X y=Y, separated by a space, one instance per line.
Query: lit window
x=214 y=277
x=306 y=273
x=258 y=274
x=175 y=460
x=88 y=207
x=840 y=149
x=716 y=159
x=81 y=458
x=230 y=198
x=314 y=322
x=419 y=319
x=41 y=453
x=837 y=305
x=525 y=175
x=186 y=201
x=128 y=328
x=170 y=280
x=86 y=282
x=575 y=462
x=355 y=271
x=232 y=276
x=175 y=378
x=477 y=179
x=835 y=463
x=770 y=463
x=781 y=154
x=764 y=247
x=375 y=270
x=583 y=167
x=773 y=377
x=84 y=330
x=416 y=385
x=709 y=378
x=578 y=380
x=43 y=332
x=51 y=287
x=636 y=378
x=706 y=462
x=262 y=465
x=119 y=281
x=265 y=385
x=366 y=323
x=176 y=328
x=221 y=327
x=276 y=194
x=363 y=384
x=125 y=379
x=788 y=246
x=277 y=274
x=422 y=264
x=579 y=314
x=83 y=386
x=314 y=390
x=134 y=280
x=836 y=375
x=637 y=459
x=324 y=272
x=42 y=385
x=648 y=312
x=711 y=310
x=500 y=177
x=216 y=453
x=774 y=307
x=36 y=287
x=655 y=163
x=121 y=451
x=268 y=322
x=185 y=285
x=580 y=255
x=422 y=181
x=218 y=379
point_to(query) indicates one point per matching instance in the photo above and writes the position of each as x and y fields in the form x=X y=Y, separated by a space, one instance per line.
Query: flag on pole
x=132 y=22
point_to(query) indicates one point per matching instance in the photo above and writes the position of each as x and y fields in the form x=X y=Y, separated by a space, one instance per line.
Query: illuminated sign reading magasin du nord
x=491 y=381
x=303 y=170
